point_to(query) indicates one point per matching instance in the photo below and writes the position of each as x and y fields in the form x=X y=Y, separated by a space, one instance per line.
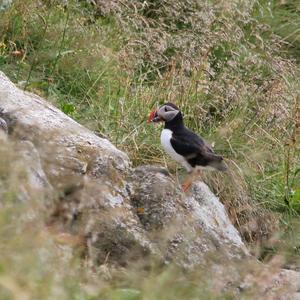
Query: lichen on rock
x=117 y=209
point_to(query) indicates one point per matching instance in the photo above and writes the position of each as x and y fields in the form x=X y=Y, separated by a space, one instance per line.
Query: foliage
x=232 y=67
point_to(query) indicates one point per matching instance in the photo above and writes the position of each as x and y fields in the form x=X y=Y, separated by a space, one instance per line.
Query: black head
x=165 y=113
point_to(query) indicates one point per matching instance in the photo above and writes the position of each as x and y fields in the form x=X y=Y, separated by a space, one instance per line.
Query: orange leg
x=186 y=185
x=190 y=178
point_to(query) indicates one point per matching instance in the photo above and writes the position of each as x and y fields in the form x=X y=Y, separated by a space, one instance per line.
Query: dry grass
x=107 y=64
x=229 y=65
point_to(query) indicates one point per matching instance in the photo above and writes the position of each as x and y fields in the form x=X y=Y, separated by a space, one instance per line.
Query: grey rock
x=23 y=172
x=4 y=4
x=3 y=126
x=122 y=213
x=294 y=296
x=87 y=172
x=35 y=175
x=3 y=130
x=270 y=282
x=185 y=227
x=102 y=197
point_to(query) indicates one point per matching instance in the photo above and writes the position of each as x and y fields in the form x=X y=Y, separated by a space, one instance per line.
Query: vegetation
x=231 y=66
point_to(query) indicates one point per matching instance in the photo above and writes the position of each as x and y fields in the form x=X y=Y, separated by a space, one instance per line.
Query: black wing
x=189 y=144
x=196 y=150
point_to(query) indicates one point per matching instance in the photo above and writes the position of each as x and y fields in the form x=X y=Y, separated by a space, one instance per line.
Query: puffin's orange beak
x=152 y=116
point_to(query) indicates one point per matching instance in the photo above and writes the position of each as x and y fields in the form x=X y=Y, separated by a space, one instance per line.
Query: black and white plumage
x=183 y=145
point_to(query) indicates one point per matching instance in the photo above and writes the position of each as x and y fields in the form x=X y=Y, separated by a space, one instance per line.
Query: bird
x=183 y=145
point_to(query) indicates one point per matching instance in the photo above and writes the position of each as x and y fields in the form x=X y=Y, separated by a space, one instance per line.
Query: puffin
x=183 y=145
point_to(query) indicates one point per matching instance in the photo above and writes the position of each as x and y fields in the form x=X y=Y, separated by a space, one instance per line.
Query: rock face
x=5 y=4
x=185 y=227
x=118 y=210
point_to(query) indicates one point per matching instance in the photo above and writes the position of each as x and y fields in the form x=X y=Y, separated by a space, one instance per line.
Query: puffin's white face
x=165 y=113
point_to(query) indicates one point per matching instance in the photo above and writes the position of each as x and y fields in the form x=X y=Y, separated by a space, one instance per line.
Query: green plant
x=231 y=66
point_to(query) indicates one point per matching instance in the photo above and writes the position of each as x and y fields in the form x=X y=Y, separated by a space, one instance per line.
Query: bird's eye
x=166 y=108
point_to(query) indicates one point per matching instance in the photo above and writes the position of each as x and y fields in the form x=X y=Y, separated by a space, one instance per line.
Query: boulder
x=5 y=4
x=21 y=172
x=119 y=211
x=271 y=282
x=88 y=175
x=95 y=197
x=186 y=227
x=3 y=130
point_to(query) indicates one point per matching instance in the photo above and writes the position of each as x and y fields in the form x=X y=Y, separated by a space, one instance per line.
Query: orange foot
x=186 y=186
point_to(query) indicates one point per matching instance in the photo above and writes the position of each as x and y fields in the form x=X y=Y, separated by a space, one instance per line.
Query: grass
x=231 y=66
x=106 y=71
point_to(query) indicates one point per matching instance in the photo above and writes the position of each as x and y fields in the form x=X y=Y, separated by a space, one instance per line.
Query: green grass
x=232 y=69
x=283 y=18
x=107 y=71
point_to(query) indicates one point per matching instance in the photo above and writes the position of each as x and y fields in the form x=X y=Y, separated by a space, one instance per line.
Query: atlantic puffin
x=183 y=145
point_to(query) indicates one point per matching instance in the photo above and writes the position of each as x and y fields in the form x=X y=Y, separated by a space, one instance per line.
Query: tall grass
x=35 y=264
x=231 y=66
x=108 y=65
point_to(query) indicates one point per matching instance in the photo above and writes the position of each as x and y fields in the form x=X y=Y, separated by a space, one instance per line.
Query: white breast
x=165 y=139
